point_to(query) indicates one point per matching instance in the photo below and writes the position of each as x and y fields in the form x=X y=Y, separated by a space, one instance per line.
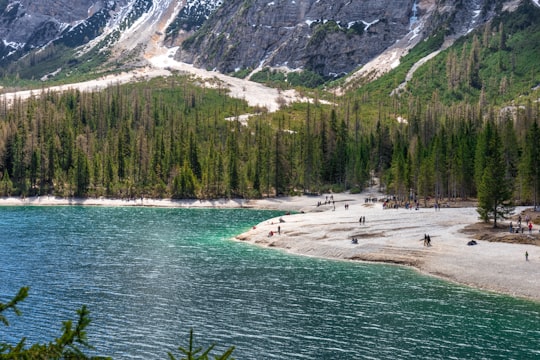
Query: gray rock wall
x=311 y=34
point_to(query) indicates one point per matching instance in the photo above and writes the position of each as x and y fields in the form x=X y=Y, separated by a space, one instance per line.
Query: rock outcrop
x=329 y=38
x=31 y=24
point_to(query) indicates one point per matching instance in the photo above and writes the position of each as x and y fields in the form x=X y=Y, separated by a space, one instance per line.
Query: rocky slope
x=26 y=25
x=31 y=24
x=330 y=38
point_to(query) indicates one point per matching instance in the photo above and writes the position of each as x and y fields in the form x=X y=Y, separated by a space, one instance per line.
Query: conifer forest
x=466 y=125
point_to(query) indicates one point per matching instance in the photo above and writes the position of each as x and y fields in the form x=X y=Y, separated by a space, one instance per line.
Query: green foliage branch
x=67 y=345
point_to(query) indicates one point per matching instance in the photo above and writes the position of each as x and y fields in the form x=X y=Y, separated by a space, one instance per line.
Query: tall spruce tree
x=494 y=189
x=530 y=162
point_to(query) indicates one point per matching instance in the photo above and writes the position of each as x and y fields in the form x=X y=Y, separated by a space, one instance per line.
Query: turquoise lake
x=149 y=275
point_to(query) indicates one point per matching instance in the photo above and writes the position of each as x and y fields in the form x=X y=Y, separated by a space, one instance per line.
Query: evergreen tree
x=258 y=160
x=307 y=158
x=69 y=344
x=82 y=174
x=341 y=156
x=439 y=162
x=66 y=346
x=232 y=165
x=6 y=186
x=184 y=184
x=482 y=152
x=467 y=144
x=399 y=172
x=530 y=162
x=279 y=172
x=494 y=190
x=510 y=149
x=194 y=157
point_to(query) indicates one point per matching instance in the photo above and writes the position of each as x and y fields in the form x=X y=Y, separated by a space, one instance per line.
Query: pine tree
x=530 y=162
x=482 y=152
x=66 y=346
x=494 y=190
x=232 y=164
x=194 y=158
x=82 y=174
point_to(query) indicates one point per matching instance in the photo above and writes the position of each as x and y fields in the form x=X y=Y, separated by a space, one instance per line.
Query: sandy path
x=254 y=93
x=163 y=64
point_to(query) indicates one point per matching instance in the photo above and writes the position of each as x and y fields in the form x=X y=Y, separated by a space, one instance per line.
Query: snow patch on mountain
x=192 y=15
x=140 y=23
x=390 y=58
x=368 y=24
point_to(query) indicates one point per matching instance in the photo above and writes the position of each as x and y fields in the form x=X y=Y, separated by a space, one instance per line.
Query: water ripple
x=149 y=275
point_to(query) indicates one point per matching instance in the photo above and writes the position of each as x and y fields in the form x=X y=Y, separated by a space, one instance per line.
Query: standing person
x=279 y=230
x=526 y=256
x=530 y=227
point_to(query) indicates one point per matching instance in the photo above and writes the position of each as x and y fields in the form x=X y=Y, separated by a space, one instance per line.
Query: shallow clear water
x=148 y=275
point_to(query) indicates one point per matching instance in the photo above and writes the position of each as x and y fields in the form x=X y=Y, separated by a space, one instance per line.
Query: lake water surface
x=149 y=275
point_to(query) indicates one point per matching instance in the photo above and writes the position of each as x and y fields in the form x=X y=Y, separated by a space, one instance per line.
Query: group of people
x=281 y=220
x=329 y=200
x=427 y=240
x=520 y=228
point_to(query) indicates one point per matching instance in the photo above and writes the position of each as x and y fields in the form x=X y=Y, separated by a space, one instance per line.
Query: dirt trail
x=257 y=95
x=160 y=62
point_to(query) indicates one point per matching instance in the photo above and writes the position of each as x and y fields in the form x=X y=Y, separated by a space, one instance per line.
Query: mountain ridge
x=231 y=36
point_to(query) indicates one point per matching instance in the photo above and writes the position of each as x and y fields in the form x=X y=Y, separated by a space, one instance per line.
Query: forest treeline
x=465 y=126
x=171 y=138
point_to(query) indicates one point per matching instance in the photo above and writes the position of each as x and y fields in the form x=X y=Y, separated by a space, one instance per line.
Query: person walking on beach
x=526 y=256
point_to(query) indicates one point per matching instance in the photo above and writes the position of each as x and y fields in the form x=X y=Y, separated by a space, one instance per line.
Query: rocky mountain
x=27 y=25
x=329 y=38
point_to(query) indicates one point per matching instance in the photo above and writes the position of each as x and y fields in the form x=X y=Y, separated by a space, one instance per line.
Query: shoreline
x=393 y=236
x=102 y=201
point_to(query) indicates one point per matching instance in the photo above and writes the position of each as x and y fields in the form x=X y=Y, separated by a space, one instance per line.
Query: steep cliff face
x=330 y=38
x=326 y=37
x=30 y=24
x=192 y=15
